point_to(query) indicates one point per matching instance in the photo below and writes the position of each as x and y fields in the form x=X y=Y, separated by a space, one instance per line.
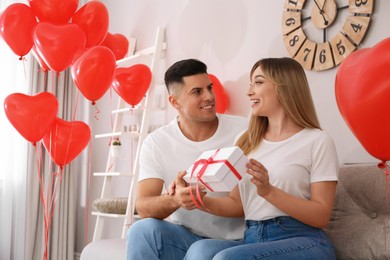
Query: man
x=174 y=148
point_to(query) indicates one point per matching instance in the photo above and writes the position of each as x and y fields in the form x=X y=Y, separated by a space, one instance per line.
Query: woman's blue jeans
x=278 y=238
x=151 y=239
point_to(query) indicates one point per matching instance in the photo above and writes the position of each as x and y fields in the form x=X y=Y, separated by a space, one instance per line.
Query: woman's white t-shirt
x=293 y=164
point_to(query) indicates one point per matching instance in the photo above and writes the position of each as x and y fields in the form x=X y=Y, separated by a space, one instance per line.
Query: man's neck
x=198 y=131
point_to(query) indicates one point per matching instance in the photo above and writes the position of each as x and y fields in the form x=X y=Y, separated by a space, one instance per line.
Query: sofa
x=359 y=226
x=360 y=223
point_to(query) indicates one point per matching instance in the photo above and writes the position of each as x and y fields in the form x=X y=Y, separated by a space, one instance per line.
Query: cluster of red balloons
x=60 y=36
x=34 y=117
x=363 y=93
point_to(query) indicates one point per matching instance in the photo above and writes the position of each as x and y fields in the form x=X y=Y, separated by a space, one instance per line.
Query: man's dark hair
x=183 y=68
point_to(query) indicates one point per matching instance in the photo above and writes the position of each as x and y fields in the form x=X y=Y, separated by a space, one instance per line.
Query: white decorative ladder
x=152 y=56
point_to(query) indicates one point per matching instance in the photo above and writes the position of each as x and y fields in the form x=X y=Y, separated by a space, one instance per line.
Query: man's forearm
x=159 y=207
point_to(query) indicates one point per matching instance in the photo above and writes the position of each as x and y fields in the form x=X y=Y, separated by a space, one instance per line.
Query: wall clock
x=301 y=18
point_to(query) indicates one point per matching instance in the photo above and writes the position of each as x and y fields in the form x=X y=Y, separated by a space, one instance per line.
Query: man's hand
x=182 y=192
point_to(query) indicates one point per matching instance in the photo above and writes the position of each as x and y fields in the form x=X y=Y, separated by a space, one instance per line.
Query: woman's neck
x=282 y=129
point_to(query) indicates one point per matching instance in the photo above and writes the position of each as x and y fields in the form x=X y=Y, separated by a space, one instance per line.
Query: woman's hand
x=260 y=177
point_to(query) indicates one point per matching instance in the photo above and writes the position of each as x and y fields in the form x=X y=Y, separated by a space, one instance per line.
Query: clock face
x=320 y=34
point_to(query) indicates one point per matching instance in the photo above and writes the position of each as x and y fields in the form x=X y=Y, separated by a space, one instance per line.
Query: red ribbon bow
x=204 y=163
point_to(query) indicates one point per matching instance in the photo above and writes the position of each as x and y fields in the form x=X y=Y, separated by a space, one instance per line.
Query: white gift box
x=217 y=175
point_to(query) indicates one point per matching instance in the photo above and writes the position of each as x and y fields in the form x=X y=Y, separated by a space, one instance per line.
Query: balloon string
x=42 y=196
x=57 y=176
x=387 y=172
x=52 y=82
x=385 y=167
x=76 y=105
x=132 y=141
x=23 y=59
x=131 y=164
x=69 y=142
x=97 y=111
x=45 y=76
x=88 y=187
x=111 y=117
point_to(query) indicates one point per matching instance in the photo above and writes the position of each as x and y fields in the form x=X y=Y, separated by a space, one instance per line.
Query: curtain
x=13 y=152
x=63 y=228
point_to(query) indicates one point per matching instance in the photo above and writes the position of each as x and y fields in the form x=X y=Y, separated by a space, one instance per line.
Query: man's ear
x=174 y=102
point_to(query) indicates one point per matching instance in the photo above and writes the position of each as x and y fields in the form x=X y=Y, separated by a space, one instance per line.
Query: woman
x=288 y=192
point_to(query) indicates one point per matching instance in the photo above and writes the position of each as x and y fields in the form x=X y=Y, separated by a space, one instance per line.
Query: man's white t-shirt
x=293 y=164
x=166 y=151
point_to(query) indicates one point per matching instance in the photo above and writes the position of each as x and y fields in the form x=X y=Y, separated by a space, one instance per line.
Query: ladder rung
x=114 y=134
x=126 y=109
x=124 y=174
x=144 y=52
x=109 y=215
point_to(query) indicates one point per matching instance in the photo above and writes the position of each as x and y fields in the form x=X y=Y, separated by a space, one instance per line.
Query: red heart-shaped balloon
x=362 y=93
x=93 y=72
x=132 y=83
x=118 y=43
x=66 y=140
x=31 y=116
x=92 y=18
x=58 y=45
x=17 y=23
x=41 y=62
x=54 y=11
x=221 y=97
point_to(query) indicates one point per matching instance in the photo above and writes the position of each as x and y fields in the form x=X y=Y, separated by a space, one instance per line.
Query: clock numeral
x=324 y=59
x=340 y=47
x=359 y=3
x=306 y=51
x=361 y=6
x=294 y=40
x=356 y=27
x=322 y=56
x=290 y=21
x=294 y=4
x=305 y=56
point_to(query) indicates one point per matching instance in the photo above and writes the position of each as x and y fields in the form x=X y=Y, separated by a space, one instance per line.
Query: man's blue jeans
x=278 y=238
x=151 y=239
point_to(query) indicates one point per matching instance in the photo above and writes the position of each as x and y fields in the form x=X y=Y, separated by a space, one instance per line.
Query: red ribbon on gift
x=205 y=163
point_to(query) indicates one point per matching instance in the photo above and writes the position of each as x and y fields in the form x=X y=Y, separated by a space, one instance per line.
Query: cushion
x=110 y=205
x=112 y=249
x=360 y=223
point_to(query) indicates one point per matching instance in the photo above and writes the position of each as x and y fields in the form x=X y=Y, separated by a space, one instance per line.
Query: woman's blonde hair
x=293 y=92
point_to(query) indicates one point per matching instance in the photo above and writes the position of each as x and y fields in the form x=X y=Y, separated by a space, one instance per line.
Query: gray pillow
x=360 y=223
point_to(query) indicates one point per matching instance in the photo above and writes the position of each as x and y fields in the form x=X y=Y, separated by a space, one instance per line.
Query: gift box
x=218 y=170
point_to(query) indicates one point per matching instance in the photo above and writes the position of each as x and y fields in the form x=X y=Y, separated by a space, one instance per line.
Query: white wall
x=229 y=36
